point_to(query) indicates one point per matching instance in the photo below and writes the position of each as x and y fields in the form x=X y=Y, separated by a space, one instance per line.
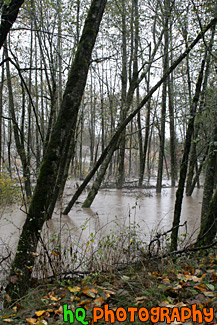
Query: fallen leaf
x=166 y=281
x=8 y=298
x=75 y=289
x=99 y=301
x=31 y=320
x=208 y=294
x=8 y=320
x=143 y=298
x=84 y=302
x=109 y=292
x=53 y=299
x=200 y=287
x=90 y=292
x=40 y=313
x=210 y=286
x=59 y=311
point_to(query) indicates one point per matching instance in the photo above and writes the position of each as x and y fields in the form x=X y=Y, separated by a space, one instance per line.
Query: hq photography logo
x=130 y=314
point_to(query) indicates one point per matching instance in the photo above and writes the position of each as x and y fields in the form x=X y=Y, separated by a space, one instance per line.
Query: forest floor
x=180 y=286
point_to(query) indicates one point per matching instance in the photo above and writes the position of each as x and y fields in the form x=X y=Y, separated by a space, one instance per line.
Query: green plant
x=9 y=189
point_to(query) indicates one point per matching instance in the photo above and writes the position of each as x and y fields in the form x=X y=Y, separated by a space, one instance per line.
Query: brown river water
x=112 y=211
x=143 y=207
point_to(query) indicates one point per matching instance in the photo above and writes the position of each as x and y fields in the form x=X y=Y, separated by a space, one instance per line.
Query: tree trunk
x=164 y=97
x=147 y=129
x=124 y=106
x=211 y=171
x=208 y=229
x=9 y=12
x=1 y=109
x=193 y=155
x=66 y=121
x=98 y=181
x=184 y=164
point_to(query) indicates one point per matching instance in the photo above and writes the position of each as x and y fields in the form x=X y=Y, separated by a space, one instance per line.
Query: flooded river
x=112 y=211
x=145 y=208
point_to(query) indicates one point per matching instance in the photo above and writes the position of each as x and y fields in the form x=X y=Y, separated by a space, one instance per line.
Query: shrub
x=9 y=189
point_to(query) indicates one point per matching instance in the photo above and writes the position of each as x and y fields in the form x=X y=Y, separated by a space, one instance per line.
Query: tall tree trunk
x=121 y=169
x=211 y=170
x=66 y=121
x=147 y=130
x=184 y=164
x=164 y=97
x=208 y=229
x=1 y=110
x=193 y=154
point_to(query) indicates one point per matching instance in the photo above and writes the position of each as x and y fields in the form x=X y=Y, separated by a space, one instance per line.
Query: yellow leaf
x=31 y=320
x=166 y=281
x=54 y=253
x=53 y=299
x=75 y=289
x=40 y=312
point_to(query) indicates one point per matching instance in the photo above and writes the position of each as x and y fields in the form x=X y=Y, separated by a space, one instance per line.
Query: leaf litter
x=170 y=283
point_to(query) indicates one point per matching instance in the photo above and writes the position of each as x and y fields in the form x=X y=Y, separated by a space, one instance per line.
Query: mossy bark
x=66 y=121
x=208 y=227
x=211 y=170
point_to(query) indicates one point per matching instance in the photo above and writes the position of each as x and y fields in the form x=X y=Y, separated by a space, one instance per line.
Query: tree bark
x=211 y=170
x=184 y=164
x=66 y=121
x=8 y=16
x=208 y=228
x=124 y=104
x=164 y=96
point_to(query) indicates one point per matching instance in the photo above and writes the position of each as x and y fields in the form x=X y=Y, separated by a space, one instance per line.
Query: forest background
x=137 y=89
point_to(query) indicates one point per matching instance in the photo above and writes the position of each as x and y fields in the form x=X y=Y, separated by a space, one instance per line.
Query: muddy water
x=111 y=208
x=143 y=207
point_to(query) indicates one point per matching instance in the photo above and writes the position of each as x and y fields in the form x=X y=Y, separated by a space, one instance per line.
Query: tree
x=9 y=14
x=166 y=12
x=114 y=140
x=56 y=153
x=208 y=226
x=184 y=164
